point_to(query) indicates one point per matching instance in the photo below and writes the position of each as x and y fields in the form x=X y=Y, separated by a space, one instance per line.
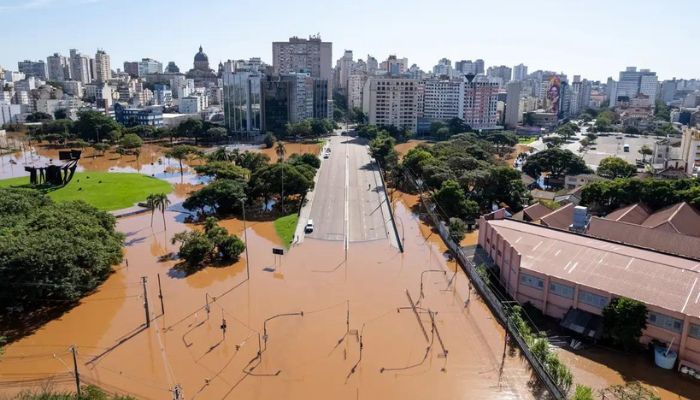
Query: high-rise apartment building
x=103 y=71
x=479 y=66
x=372 y=65
x=442 y=99
x=520 y=72
x=57 y=68
x=480 y=102
x=356 y=84
x=311 y=55
x=149 y=66
x=29 y=68
x=443 y=68
x=395 y=66
x=391 y=102
x=513 y=114
x=131 y=68
x=632 y=83
x=344 y=68
x=79 y=67
x=502 y=74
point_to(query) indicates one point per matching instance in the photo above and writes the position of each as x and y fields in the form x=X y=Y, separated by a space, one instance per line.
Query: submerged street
x=379 y=324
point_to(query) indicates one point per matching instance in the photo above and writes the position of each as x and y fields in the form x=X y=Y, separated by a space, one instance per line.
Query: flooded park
x=320 y=321
x=316 y=322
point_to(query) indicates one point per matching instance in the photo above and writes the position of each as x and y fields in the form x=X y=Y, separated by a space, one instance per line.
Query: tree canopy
x=624 y=320
x=557 y=162
x=615 y=167
x=91 y=124
x=52 y=252
x=213 y=246
x=606 y=196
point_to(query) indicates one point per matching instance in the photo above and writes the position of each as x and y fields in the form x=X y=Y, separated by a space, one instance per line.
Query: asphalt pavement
x=348 y=202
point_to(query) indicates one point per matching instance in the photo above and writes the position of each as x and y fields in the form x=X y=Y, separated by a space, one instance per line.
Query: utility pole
x=160 y=296
x=145 y=301
x=245 y=236
x=75 y=371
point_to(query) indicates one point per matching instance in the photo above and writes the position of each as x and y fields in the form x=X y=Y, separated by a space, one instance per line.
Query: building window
x=665 y=322
x=561 y=290
x=532 y=281
x=694 y=331
x=592 y=299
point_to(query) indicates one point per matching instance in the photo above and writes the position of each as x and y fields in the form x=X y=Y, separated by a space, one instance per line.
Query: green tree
x=502 y=139
x=306 y=158
x=624 y=320
x=94 y=126
x=223 y=170
x=61 y=113
x=131 y=141
x=223 y=197
x=281 y=180
x=101 y=148
x=452 y=200
x=69 y=248
x=615 y=167
x=382 y=149
x=457 y=229
x=280 y=150
x=661 y=111
x=557 y=162
x=191 y=128
x=457 y=125
x=38 y=116
x=566 y=131
x=182 y=152
x=195 y=247
x=269 y=140
x=645 y=151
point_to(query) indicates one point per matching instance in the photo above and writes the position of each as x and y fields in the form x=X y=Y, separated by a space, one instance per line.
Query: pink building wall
x=553 y=305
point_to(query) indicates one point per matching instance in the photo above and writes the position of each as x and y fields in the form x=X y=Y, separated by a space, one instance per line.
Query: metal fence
x=495 y=305
x=389 y=206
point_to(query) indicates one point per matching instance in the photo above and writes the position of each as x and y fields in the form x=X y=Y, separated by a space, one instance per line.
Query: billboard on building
x=553 y=94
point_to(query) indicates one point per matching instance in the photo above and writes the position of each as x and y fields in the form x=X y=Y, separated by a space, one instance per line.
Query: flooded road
x=358 y=336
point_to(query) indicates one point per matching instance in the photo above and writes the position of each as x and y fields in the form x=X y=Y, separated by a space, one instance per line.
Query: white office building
x=513 y=114
x=443 y=99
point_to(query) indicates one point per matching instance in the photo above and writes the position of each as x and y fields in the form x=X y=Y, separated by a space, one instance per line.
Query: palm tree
x=280 y=150
x=151 y=205
x=161 y=202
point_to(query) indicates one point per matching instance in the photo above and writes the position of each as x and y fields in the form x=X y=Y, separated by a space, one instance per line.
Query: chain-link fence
x=497 y=307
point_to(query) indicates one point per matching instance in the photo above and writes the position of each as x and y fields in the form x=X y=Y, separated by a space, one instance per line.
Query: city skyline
x=585 y=41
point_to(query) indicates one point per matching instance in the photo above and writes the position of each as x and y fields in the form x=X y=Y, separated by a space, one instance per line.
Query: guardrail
x=389 y=205
x=495 y=305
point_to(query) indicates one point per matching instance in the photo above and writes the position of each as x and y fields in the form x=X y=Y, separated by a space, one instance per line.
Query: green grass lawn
x=526 y=139
x=285 y=227
x=106 y=191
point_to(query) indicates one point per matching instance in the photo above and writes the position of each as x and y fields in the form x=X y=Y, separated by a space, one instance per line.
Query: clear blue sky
x=593 y=38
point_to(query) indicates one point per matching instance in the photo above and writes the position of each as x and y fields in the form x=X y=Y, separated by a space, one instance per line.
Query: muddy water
x=313 y=355
x=403 y=148
x=150 y=162
x=291 y=148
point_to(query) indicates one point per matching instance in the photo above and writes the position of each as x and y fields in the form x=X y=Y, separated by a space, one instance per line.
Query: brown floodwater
x=314 y=356
x=291 y=148
x=151 y=161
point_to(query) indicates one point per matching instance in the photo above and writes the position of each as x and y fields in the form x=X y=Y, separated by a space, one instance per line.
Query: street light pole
x=245 y=236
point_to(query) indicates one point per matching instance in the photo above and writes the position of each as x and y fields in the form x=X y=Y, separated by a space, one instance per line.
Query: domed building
x=201 y=73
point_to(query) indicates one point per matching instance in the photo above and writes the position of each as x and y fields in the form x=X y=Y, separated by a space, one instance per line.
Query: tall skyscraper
x=633 y=83
x=479 y=66
x=519 y=72
x=57 y=68
x=243 y=102
x=103 y=69
x=502 y=73
x=512 y=116
x=131 y=68
x=29 y=68
x=344 y=67
x=443 y=67
x=372 y=65
x=79 y=67
x=311 y=55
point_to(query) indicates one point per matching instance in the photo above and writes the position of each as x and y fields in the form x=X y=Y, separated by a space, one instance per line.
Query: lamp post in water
x=245 y=236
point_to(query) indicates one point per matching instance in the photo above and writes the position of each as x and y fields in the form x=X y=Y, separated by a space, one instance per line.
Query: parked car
x=309 y=226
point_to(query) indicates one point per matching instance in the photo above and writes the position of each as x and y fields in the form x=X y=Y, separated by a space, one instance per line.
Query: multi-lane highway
x=348 y=202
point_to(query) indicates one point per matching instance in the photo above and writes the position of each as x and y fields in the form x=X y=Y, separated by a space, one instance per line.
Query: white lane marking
x=689 y=294
x=347 y=184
